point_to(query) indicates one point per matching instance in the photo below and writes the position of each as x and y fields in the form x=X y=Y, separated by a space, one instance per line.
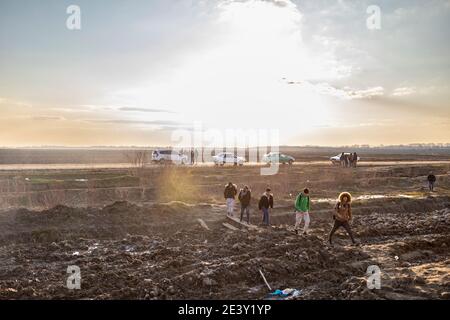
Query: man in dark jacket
x=229 y=194
x=244 y=197
x=355 y=159
x=431 y=180
x=265 y=203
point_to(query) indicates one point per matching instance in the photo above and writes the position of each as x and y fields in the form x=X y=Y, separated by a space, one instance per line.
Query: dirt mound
x=148 y=250
x=111 y=222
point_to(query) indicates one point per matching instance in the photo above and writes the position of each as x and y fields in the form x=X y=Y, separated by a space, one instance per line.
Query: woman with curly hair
x=342 y=216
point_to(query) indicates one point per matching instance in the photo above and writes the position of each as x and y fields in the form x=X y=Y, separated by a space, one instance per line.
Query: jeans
x=245 y=209
x=230 y=206
x=431 y=185
x=298 y=219
x=265 y=215
x=337 y=225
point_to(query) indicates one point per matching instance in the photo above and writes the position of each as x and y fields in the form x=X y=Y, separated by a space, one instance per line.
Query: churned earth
x=159 y=248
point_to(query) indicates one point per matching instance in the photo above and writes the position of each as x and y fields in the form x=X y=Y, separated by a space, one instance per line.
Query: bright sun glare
x=240 y=80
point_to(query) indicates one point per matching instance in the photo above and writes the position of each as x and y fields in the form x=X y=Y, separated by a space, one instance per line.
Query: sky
x=138 y=71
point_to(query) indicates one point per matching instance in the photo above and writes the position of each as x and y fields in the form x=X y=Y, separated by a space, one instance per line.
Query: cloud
x=11 y=102
x=366 y=93
x=403 y=91
x=135 y=109
x=346 y=93
x=47 y=118
x=138 y=122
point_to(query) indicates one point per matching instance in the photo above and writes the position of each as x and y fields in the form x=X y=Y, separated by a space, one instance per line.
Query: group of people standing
x=192 y=155
x=342 y=214
x=265 y=203
x=349 y=160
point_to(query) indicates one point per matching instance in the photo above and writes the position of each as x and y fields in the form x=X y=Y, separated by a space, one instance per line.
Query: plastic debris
x=285 y=294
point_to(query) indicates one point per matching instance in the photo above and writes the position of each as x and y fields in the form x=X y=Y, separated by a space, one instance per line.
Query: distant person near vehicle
x=192 y=156
x=355 y=159
x=431 y=181
x=244 y=197
x=342 y=158
x=342 y=216
x=265 y=204
x=196 y=155
x=229 y=194
x=302 y=206
x=347 y=160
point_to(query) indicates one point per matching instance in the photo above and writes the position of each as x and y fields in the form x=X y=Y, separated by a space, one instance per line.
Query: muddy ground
x=152 y=246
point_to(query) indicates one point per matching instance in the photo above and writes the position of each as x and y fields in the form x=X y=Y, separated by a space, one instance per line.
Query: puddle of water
x=368 y=197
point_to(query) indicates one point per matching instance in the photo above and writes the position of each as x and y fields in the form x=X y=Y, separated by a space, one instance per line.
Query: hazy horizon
x=362 y=146
x=137 y=71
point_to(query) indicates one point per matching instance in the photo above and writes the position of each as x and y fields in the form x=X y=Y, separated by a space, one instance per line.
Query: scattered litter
x=81 y=180
x=396 y=257
x=285 y=294
x=76 y=253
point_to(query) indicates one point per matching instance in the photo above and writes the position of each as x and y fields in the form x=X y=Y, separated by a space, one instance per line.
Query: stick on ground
x=265 y=281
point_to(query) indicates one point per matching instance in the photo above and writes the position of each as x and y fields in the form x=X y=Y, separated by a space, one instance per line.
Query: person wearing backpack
x=230 y=193
x=265 y=204
x=302 y=206
x=244 y=197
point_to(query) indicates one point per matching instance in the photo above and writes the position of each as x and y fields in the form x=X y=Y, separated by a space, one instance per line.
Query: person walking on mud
x=244 y=197
x=265 y=204
x=342 y=216
x=431 y=181
x=302 y=205
x=229 y=194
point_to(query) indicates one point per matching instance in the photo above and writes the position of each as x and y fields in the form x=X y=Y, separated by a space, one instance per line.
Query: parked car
x=169 y=156
x=336 y=160
x=276 y=157
x=228 y=157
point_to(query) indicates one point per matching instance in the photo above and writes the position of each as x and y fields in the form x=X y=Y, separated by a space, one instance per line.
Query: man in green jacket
x=302 y=205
